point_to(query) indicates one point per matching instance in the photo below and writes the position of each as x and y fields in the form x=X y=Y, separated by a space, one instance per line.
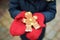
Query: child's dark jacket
x=42 y=6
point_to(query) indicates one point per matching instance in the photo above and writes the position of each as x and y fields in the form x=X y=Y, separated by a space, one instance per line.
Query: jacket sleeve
x=13 y=8
x=51 y=11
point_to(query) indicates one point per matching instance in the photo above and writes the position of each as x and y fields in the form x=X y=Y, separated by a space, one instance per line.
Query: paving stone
x=57 y=27
x=45 y=38
x=51 y=34
x=48 y=29
x=4 y=35
x=55 y=38
x=16 y=38
x=58 y=35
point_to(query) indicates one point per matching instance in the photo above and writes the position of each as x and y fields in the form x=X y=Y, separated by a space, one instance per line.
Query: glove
x=17 y=27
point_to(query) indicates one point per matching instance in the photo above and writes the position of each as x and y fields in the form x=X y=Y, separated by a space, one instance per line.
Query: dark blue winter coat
x=43 y=6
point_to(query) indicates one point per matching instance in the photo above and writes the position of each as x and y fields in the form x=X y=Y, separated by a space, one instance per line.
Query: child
x=46 y=7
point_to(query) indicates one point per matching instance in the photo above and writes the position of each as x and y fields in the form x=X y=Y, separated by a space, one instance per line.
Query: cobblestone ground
x=52 y=29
